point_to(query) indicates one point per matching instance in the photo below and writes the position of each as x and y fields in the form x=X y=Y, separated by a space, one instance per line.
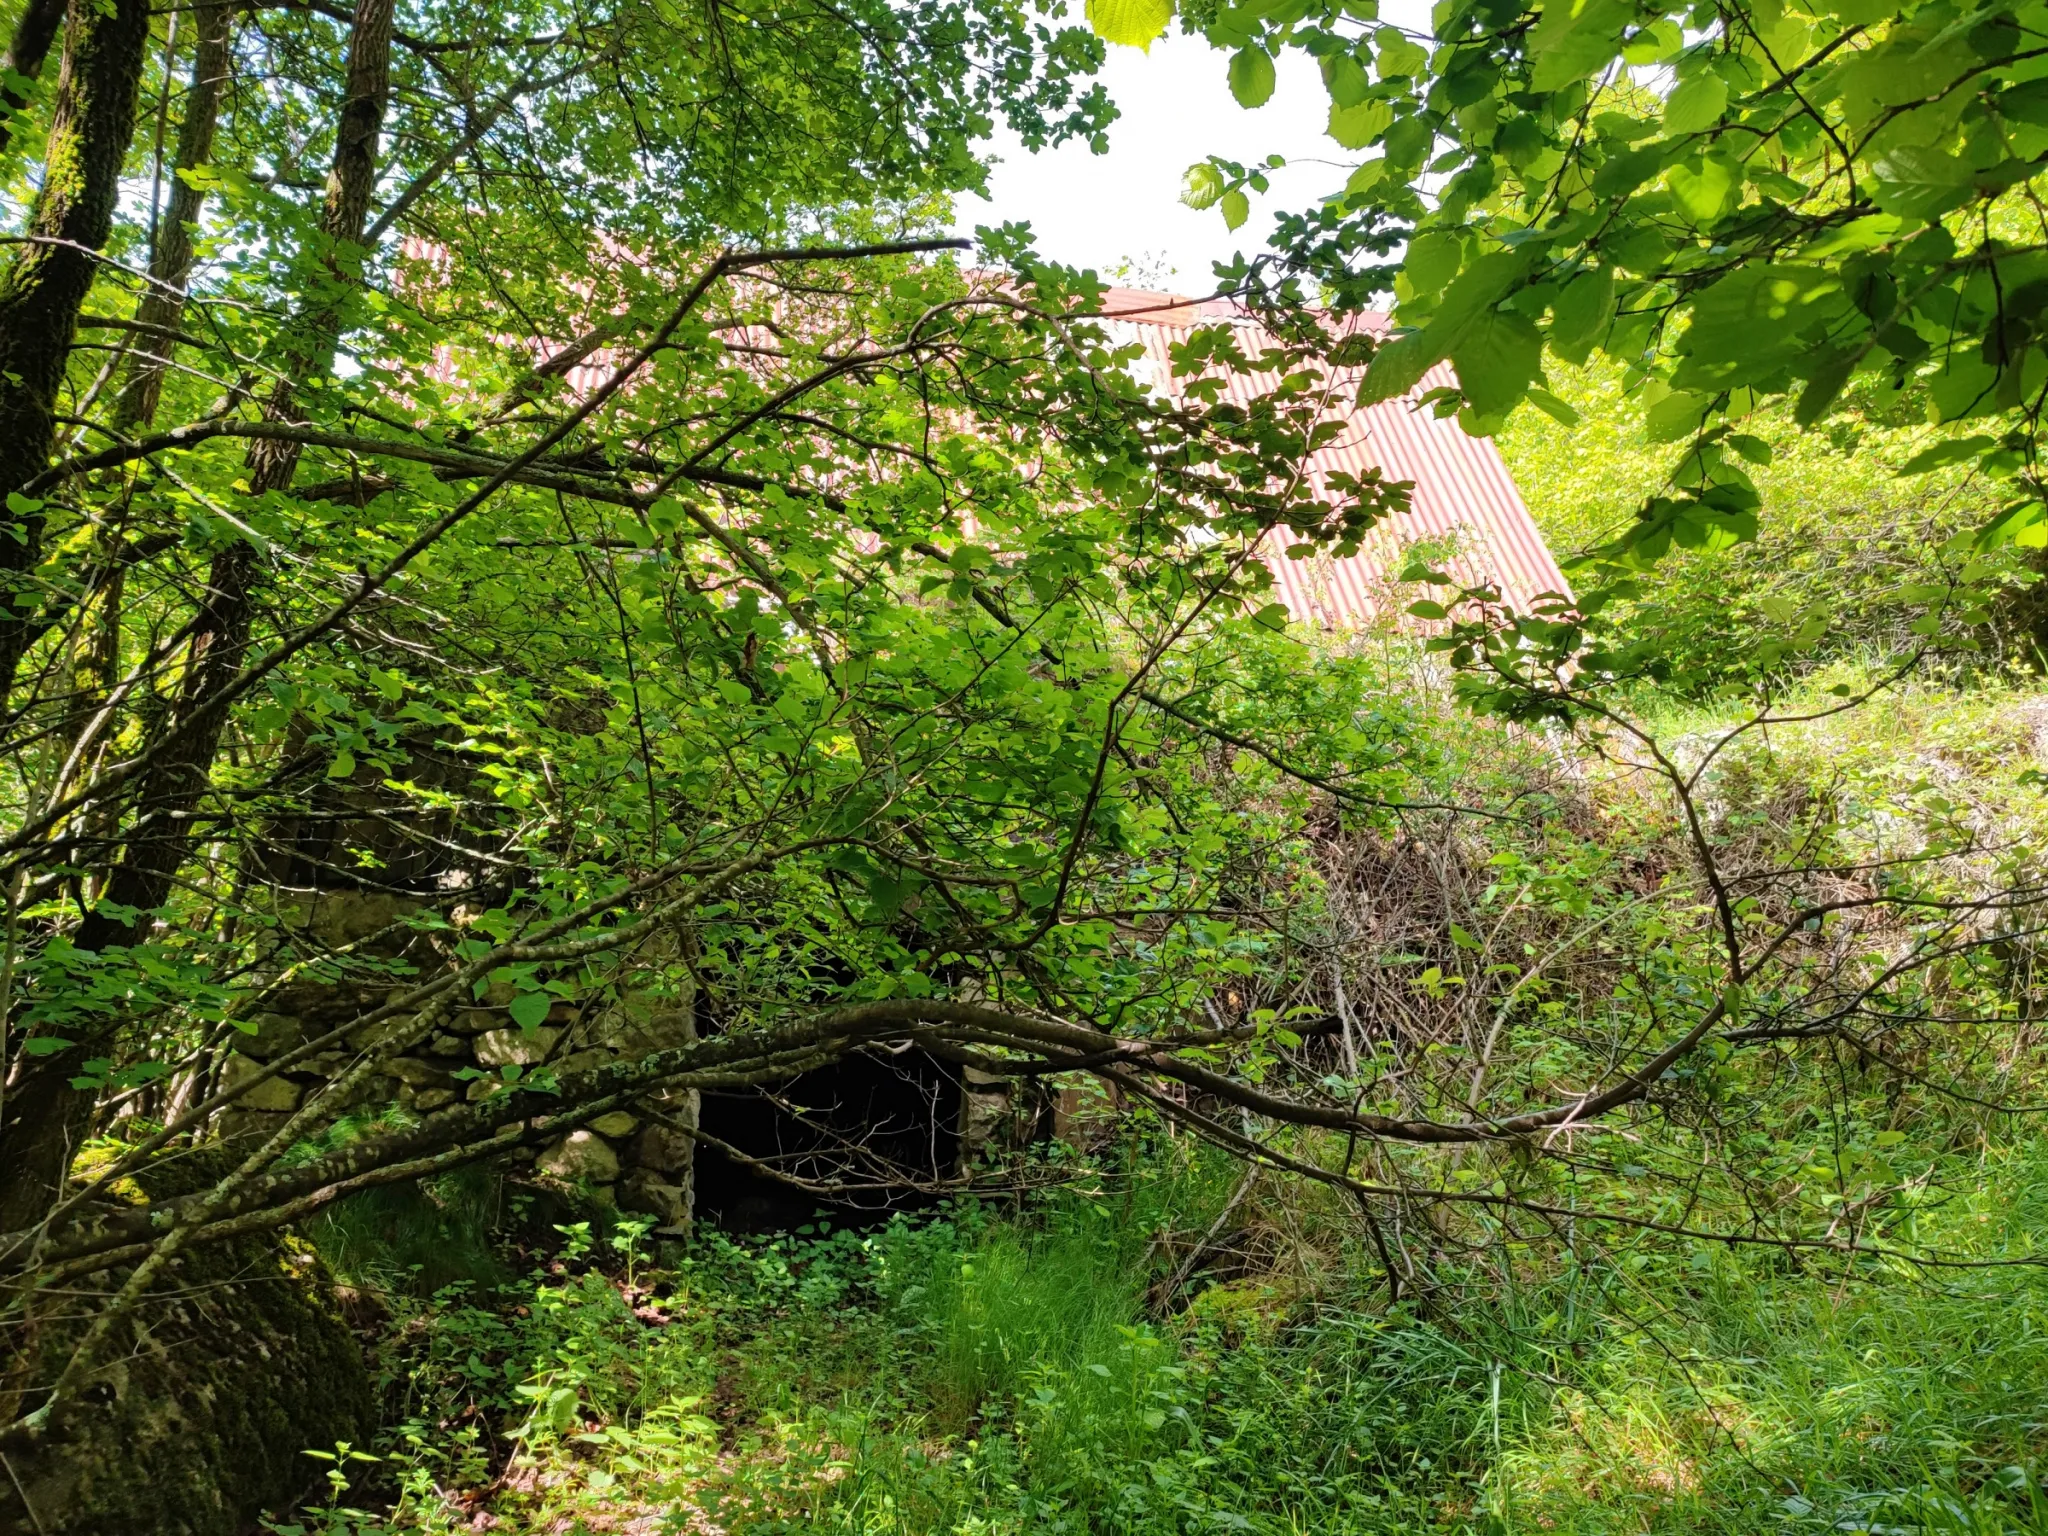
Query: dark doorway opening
x=881 y=1128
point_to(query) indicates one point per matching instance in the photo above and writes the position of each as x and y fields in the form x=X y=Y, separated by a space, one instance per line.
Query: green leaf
x=1896 y=72
x=1917 y=182
x=1954 y=451
x=529 y=1010
x=1236 y=208
x=1580 y=314
x=1826 y=378
x=1624 y=172
x=1496 y=356
x=1407 y=142
x=1478 y=288
x=1397 y=55
x=1787 y=38
x=1427 y=609
x=1966 y=386
x=1575 y=38
x=1678 y=415
x=1520 y=141
x=1273 y=616
x=1355 y=127
x=1343 y=77
x=1864 y=234
x=1703 y=188
x=1132 y=23
x=2026 y=102
x=2023 y=523
x=561 y=1409
x=1251 y=76
x=1697 y=103
x=1365 y=178
x=1433 y=260
x=1201 y=185
x=343 y=766
x=1710 y=529
x=1556 y=409
x=1655 y=43
x=1397 y=367
x=1753 y=322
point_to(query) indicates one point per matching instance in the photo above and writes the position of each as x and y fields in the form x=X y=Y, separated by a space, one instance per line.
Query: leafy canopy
x=1741 y=201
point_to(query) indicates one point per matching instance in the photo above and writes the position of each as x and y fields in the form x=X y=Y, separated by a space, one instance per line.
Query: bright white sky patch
x=1102 y=210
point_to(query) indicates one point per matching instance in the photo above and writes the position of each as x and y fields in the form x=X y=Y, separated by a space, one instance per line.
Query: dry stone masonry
x=642 y=1159
x=626 y=1159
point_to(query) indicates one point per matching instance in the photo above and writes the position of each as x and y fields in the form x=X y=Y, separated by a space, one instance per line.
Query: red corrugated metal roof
x=1464 y=499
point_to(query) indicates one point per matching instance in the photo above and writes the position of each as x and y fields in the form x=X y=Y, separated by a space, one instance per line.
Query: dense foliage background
x=521 y=528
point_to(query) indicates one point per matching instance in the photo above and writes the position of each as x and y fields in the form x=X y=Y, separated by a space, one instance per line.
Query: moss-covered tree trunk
x=41 y=295
x=226 y=1375
x=47 y=1115
x=26 y=51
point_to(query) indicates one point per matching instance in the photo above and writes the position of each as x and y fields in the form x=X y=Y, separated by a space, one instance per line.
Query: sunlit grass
x=988 y=1375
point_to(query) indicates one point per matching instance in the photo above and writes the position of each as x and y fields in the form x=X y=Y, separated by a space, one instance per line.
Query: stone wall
x=630 y=1159
x=640 y=1159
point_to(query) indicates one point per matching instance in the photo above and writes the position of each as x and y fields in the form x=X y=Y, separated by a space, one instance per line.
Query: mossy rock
x=1249 y=1309
x=221 y=1382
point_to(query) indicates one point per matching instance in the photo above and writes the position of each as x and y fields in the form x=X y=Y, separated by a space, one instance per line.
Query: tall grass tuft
x=414 y=1238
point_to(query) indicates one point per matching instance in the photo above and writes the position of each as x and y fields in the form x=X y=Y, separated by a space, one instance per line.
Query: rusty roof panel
x=1464 y=499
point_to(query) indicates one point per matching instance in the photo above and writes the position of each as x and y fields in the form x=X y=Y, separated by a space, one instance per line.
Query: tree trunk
x=48 y=1115
x=30 y=45
x=42 y=294
x=170 y=264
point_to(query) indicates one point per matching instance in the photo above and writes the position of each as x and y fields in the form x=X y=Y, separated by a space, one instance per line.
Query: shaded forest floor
x=1092 y=1362
x=981 y=1372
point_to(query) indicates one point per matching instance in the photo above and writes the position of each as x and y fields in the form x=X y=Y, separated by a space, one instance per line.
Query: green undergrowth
x=416 y=1237
x=1843 y=541
x=1062 y=1366
x=981 y=1371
